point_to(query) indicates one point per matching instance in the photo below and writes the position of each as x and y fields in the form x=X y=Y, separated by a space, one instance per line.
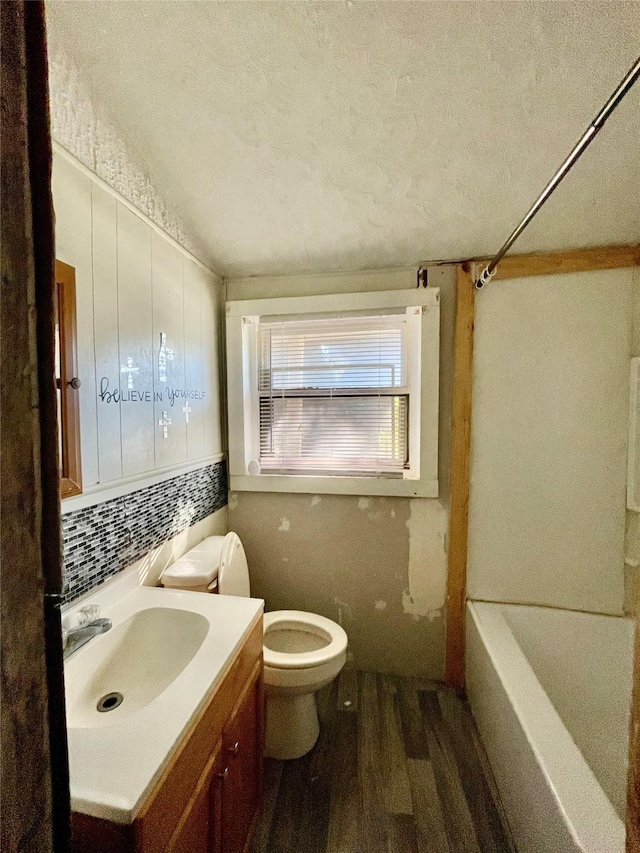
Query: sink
x=165 y=654
x=130 y=665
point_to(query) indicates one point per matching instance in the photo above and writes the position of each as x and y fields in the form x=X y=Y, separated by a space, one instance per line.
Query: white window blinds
x=334 y=395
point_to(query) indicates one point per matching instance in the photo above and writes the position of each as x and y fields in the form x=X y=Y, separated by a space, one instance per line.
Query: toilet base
x=292 y=727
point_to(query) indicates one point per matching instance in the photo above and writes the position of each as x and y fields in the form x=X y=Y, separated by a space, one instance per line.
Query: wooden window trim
x=71 y=465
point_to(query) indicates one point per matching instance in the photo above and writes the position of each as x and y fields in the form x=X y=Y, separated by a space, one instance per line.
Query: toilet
x=303 y=652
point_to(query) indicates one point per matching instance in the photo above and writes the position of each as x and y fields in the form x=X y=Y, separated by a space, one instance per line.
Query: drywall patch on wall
x=285 y=525
x=427 y=589
x=82 y=127
x=345 y=612
x=337 y=561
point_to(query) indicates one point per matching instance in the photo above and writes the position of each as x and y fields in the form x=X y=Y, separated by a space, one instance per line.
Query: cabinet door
x=198 y=830
x=243 y=744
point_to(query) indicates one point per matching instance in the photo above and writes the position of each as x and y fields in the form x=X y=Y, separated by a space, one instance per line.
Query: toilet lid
x=198 y=567
x=300 y=620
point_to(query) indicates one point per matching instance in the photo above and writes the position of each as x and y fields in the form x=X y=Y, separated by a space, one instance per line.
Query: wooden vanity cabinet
x=241 y=781
x=199 y=829
x=208 y=798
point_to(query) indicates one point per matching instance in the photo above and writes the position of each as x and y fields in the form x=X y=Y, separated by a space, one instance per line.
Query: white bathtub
x=551 y=692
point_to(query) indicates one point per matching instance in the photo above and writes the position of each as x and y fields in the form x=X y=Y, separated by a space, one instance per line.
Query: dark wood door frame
x=35 y=790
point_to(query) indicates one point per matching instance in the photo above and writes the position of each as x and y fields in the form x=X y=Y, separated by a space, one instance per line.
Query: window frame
x=243 y=395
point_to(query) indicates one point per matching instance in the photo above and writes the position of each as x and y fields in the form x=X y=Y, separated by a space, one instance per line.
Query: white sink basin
x=136 y=660
x=165 y=654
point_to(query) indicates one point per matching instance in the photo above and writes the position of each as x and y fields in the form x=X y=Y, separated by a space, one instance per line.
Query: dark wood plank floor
x=398 y=768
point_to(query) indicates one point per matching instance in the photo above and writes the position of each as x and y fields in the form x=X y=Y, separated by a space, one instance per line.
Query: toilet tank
x=233 y=574
x=198 y=568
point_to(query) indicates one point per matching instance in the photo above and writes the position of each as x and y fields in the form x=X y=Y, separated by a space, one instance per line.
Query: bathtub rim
x=557 y=756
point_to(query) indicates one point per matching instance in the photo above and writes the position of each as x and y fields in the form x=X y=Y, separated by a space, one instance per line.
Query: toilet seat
x=297 y=670
x=303 y=621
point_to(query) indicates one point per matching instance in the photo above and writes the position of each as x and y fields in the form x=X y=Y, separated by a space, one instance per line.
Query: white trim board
x=364 y=486
x=105 y=492
x=370 y=300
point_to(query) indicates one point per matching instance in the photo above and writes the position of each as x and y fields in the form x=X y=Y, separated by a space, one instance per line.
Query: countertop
x=113 y=767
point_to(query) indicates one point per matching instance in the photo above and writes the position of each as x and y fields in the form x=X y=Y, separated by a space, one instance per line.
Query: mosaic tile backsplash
x=101 y=540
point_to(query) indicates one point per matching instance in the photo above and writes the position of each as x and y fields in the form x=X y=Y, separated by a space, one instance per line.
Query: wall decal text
x=170 y=395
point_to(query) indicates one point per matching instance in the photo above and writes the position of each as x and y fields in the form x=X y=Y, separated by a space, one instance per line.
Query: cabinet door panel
x=198 y=828
x=242 y=741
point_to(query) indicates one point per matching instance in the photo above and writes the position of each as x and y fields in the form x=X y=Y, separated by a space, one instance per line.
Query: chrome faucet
x=89 y=626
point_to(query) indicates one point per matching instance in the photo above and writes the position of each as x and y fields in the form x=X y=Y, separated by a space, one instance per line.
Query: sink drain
x=109 y=701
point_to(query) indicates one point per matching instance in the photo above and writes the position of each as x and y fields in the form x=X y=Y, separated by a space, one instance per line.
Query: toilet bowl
x=303 y=652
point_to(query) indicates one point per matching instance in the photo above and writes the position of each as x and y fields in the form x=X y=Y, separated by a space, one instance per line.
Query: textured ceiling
x=304 y=136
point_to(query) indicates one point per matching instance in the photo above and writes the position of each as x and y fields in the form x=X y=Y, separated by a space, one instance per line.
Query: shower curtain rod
x=586 y=139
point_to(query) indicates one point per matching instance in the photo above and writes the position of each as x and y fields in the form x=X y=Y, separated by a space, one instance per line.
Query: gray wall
x=376 y=565
x=549 y=440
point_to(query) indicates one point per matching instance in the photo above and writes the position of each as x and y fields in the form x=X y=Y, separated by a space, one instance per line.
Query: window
x=67 y=381
x=335 y=393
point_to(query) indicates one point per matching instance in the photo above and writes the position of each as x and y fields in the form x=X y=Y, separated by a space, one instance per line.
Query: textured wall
x=84 y=129
x=325 y=135
x=376 y=565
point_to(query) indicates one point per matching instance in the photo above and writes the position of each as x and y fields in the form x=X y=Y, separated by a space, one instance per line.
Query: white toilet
x=303 y=652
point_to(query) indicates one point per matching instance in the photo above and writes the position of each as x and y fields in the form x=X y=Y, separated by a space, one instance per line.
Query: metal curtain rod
x=574 y=156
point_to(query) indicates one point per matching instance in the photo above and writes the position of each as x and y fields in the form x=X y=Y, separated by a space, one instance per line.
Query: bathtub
x=551 y=692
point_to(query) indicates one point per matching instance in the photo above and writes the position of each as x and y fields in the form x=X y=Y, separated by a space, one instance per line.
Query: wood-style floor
x=398 y=768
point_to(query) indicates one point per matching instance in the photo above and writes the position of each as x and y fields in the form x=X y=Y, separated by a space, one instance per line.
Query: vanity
x=176 y=765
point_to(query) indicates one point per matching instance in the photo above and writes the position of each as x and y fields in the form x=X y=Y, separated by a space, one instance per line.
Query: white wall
x=549 y=440
x=132 y=283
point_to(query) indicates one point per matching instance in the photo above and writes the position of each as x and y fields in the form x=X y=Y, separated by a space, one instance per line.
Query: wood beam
x=577 y=260
x=460 y=458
